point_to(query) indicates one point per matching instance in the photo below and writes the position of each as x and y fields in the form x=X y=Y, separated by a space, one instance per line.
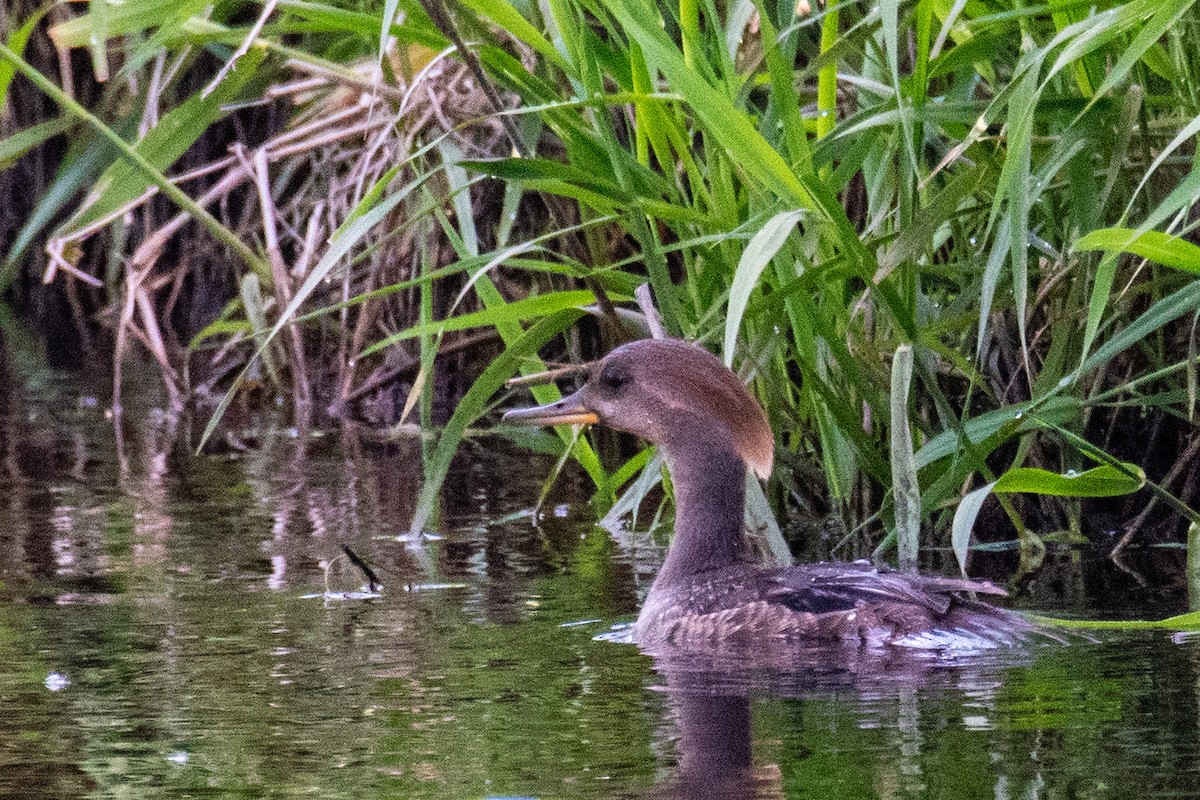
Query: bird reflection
x=716 y=758
x=711 y=700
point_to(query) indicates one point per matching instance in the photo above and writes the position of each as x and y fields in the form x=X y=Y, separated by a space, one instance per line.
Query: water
x=160 y=637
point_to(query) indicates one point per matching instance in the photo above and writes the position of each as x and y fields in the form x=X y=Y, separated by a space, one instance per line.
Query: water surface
x=163 y=633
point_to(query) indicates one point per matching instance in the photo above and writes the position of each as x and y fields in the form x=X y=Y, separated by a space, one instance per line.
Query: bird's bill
x=568 y=411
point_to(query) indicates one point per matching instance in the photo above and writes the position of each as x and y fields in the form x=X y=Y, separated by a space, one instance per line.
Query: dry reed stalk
x=646 y=304
x=58 y=260
x=243 y=48
x=135 y=302
x=300 y=382
x=332 y=154
x=551 y=375
x=313 y=135
x=236 y=173
x=382 y=378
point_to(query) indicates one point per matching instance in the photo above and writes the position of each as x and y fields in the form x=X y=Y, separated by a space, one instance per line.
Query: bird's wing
x=822 y=588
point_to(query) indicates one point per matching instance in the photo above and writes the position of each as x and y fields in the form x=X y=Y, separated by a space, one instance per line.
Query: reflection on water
x=158 y=638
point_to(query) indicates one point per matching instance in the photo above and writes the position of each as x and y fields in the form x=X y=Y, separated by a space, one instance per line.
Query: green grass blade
x=460 y=195
x=149 y=170
x=906 y=489
x=1162 y=312
x=729 y=125
x=755 y=258
x=364 y=217
x=1183 y=622
x=252 y=302
x=16 y=43
x=964 y=523
x=1170 y=251
x=78 y=171
x=21 y=142
x=120 y=19
x=1165 y=17
x=389 y=17
x=175 y=132
x=509 y=313
x=1102 y=481
x=509 y=19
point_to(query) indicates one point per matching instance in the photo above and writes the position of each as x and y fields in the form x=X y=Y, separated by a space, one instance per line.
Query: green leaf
x=369 y=212
x=1164 y=311
x=906 y=489
x=175 y=132
x=389 y=17
x=1166 y=15
x=84 y=161
x=1101 y=481
x=545 y=169
x=507 y=17
x=755 y=258
x=1162 y=248
x=120 y=19
x=21 y=142
x=219 y=327
x=16 y=42
x=1181 y=622
x=256 y=314
x=964 y=523
x=460 y=195
x=721 y=118
x=138 y=160
x=1015 y=417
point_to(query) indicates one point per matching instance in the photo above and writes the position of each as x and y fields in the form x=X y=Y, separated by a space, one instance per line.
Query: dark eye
x=614 y=380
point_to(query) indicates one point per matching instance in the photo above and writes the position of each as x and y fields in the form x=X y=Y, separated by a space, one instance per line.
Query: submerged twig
x=374 y=583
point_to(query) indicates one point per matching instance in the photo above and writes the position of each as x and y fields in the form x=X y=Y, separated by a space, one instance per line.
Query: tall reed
x=961 y=226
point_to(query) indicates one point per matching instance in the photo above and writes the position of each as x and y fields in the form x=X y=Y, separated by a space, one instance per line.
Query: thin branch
x=243 y=48
x=646 y=303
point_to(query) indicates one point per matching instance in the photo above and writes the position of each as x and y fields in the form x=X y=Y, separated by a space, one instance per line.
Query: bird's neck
x=710 y=497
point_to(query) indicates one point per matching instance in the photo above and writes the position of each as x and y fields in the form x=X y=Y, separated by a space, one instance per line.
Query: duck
x=711 y=592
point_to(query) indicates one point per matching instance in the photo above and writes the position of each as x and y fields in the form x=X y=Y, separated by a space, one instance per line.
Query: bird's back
x=852 y=604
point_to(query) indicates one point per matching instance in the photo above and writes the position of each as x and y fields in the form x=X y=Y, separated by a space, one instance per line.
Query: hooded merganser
x=710 y=591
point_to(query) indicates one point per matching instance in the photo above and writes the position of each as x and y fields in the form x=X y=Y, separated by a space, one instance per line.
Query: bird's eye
x=614 y=380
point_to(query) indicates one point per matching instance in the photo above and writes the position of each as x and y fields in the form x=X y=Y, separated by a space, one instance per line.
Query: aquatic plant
x=948 y=244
